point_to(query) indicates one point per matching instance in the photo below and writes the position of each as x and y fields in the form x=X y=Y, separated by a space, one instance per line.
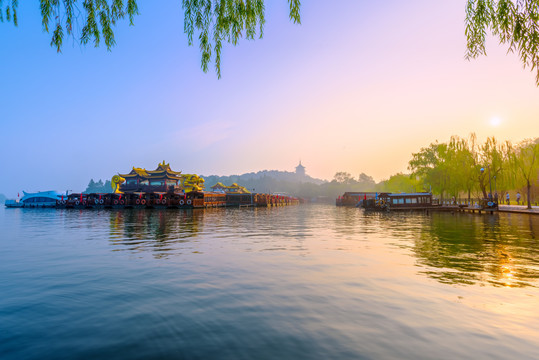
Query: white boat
x=41 y=199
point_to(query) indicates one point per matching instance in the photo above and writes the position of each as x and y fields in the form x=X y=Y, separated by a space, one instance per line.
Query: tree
x=213 y=21
x=430 y=165
x=98 y=187
x=464 y=164
x=525 y=160
x=399 y=183
x=514 y=22
x=343 y=177
x=364 y=178
x=494 y=156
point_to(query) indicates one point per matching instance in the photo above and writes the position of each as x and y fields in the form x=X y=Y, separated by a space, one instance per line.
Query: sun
x=495 y=121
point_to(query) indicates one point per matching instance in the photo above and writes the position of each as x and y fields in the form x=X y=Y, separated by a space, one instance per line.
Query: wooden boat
x=161 y=188
x=398 y=201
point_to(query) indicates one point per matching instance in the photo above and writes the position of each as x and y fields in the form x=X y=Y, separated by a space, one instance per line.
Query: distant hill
x=262 y=176
x=2 y=198
x=268 y=181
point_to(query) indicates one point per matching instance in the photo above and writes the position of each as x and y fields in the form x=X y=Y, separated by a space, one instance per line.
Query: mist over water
x=310 y=282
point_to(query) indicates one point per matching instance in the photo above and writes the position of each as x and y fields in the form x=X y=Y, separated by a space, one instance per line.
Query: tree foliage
x=399 y=183
x=514 y=22
x=216 y=21
x=525 y=162
x=212 y=21
x=464 y=166
x=343 y=177
x=98 y=187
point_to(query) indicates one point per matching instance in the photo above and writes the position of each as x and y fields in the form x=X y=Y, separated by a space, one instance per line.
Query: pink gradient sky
x=357 y=87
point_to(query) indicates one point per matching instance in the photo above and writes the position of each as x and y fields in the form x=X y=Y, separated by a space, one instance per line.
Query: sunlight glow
x=495 y=121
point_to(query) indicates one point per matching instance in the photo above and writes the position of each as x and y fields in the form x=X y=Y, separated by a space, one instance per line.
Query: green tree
x=464 y=167
x=212 y=21
x=514 y=22
x=494 y=160
x=98 y=187
x=430 y=164
x=525 y=161
x=399 y=183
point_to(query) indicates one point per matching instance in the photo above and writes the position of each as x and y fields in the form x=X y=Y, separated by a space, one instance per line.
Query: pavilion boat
x=399 y=202
x=161 y=188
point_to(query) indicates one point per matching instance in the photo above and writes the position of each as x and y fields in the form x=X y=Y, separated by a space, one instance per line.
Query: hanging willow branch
x=514 y=22
x=213 y=21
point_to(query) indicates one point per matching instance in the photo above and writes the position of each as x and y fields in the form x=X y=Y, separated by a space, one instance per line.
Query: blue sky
x=323 y=92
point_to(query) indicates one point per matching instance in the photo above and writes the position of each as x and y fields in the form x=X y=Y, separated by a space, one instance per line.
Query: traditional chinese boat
x=164 y=188
x=399 y=201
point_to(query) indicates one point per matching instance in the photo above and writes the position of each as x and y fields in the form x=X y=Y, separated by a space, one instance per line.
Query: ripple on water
x=292 y=282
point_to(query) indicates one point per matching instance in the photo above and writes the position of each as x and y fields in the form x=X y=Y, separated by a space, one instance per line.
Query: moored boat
x=398 y=201
x=40 y=199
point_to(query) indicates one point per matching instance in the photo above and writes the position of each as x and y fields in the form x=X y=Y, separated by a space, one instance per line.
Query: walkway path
x=519 y=209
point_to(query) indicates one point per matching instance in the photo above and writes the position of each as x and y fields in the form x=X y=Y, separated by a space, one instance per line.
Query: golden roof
x=162 y=169
x=232 y=188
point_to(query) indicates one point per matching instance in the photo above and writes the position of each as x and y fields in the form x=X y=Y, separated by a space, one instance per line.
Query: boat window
x=156 y=183
x=144 y=182
x=132 y=182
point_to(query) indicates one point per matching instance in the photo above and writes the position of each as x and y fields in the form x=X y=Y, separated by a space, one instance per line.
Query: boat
x=40 y=199
x=162 y=188
x=399 y=201
x=353 y=199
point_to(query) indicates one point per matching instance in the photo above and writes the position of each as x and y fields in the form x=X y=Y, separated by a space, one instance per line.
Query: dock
x=424 y=202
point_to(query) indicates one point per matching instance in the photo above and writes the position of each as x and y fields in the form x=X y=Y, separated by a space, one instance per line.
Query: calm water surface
x=301 y=282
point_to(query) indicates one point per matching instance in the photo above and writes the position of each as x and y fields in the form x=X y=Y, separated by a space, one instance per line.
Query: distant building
x=300 y=169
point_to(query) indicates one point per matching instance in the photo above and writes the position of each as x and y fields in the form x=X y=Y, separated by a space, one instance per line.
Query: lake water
x=299 y=282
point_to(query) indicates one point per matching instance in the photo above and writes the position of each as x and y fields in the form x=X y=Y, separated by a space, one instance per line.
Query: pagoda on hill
x=300 y=169
x=162 y=179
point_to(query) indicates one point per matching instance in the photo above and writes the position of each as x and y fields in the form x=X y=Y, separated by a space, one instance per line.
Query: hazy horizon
x=358 y=87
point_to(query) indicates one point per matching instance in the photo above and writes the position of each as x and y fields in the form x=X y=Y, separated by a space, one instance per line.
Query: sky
x=358 y=87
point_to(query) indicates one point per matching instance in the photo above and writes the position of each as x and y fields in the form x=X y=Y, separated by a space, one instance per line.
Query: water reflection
x=157 y=230
x=465 y=249
x=281 y=283
x=498 y=250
